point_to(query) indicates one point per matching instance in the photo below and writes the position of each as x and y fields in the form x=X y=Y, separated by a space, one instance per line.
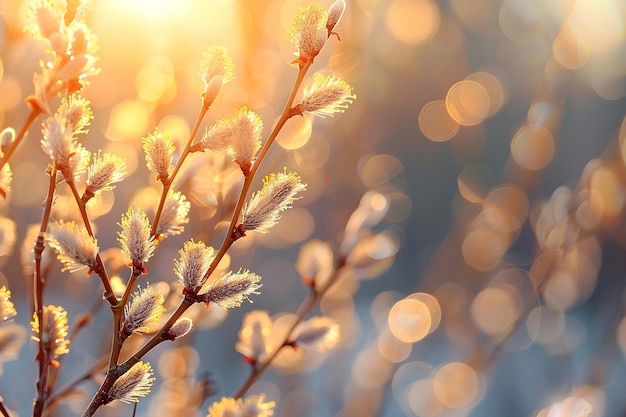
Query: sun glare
x=150 y=9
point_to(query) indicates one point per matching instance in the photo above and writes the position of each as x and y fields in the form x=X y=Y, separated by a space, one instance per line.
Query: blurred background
x=495 y=128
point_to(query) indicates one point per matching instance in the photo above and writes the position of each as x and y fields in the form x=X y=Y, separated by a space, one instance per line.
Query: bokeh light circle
x=456 y=385
x=468 y=102
x=413 y=21
x=493 y=87
x=409 y=320
x=434 y=308
x=296 y=134
x=436 y=123
x=393 y=349
x=506 y=208
x=128 y=121
x=483 y=248
x=494 y=310
x=532 y=147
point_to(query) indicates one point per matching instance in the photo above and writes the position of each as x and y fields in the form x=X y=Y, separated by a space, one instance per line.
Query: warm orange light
x=493 y=87
x=494 y=309
x=380 y=169
x=128 y=121
x=532 y=147
x=436 y=123
x=468 y=102
x=456 y=385
x=434 y=309
x=148 y=9
x=413 y=21
x=483 y=248
x=392 y=348
x=409 y=320
x=598 y=24
x=295 y=134
x=568 y=52
x=505 y=208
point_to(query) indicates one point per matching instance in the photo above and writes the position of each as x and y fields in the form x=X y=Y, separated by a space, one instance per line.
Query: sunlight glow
x=149 y=9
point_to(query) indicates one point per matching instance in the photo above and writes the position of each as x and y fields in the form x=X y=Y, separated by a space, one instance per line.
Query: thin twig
x=306 y=306
x=167 y=183
x=39 y=285
x=71 y=387
x=3 y=410
x=99 y=267
x=34 y=113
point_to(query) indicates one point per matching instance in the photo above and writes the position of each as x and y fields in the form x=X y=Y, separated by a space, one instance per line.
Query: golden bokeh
x=456 y=385
x=532 y=147
x=400 y=207
x=582 y=401
x=404 y=382
x=608 y=86
x=598 y=25
x=422 y=399
x=505 y=208
x=413 y=21
x=468 y=102
x=483 y=248
x=380 y=306
x=496 y=249
x=379 y=169
x=436 y=123
x=25 y=190
x=177 y=363
x=476 y=14
x=296 y=225
x=155 y=81
x=494 y=310
x=177 y=126
x=606 y=187
x=492 y=86
x=561 y=291
x=295 y=134
x=434 y=309
x=568 y=51
x=101 y=204
x=368 y=371
x=410 y=320
x=392 y=348
x=128 y=120
x=313 y=154
x=11 y=92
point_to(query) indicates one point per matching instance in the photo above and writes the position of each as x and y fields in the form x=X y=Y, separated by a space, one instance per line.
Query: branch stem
x=39 y=286
x=306 y=306
x=167 y=182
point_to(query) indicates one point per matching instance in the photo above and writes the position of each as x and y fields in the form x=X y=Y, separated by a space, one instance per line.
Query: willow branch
x=34 y=113
x=39 y=285
x=99 y=267
x=3 y=410
x=116 y=371
x=167 y=183
x=71 y=387
x=304 y=308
